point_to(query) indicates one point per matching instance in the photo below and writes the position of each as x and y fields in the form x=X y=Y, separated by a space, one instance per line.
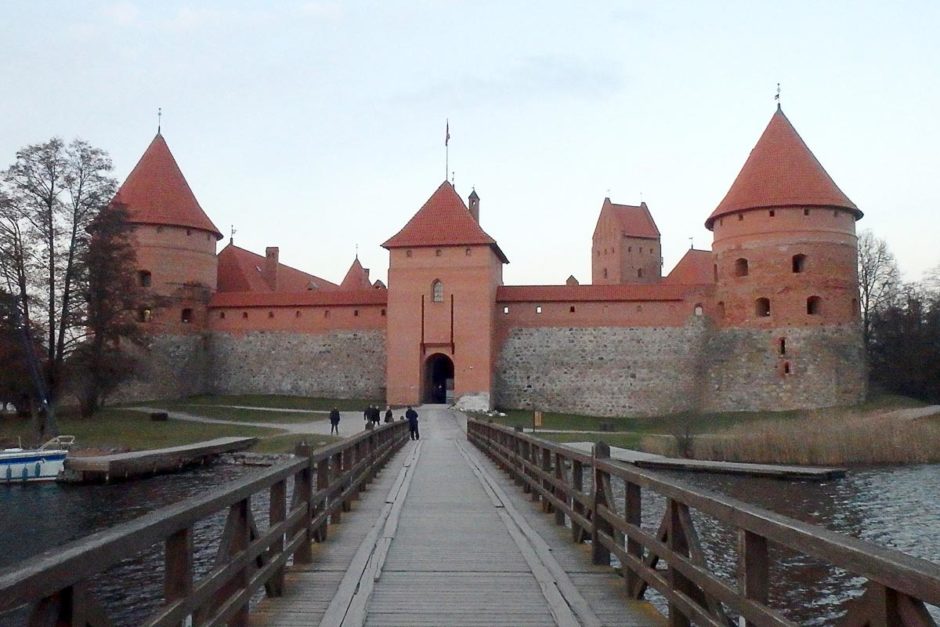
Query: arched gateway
x=438 y=378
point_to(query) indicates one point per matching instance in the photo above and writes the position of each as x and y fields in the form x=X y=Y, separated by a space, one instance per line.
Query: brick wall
x=605 y=371
x=338 y=364
x=174 y=366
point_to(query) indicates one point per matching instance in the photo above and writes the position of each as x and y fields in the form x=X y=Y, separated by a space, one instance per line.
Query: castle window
x=408 y=253
x=799 y=263
x=144 y=278
x=806 y=212
x=641 y=249
x=639 y=273
x=270 y=314
x=437 y=291
x=538 y=309
x=326 y=313
x=835 y=213
x=571 y=309
x=782 y=346
x=786 y=367
x=144 y=315
x=468 y=251
x=772 y=213
x=355 y=313
x=186 y=316
x=244 y=315
x=740 y=217
x=208 y=236
x=221 y=315
x=383 y=311
x=740 y=267
x=605 y=273
x=159 y=229
x=814 y=305
x=437 y=253
x=629 y=249
x=297 y=314
x=506 y=309
x=721 y=309
x=699 y=310
x=189 y=232
x=762 y=307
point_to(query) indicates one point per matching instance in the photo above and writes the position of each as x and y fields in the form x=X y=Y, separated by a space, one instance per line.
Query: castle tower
x=442 y=279
x=625 y=246
x=785 y=266
x=175 y=239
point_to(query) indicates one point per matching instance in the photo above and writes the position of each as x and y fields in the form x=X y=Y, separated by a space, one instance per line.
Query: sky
x=319 y=127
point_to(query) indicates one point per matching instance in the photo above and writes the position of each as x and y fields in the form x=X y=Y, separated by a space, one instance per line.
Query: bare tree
x=53 y=192
x=879 y=280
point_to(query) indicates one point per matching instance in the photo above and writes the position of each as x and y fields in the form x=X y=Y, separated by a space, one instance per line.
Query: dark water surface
x=896 y=507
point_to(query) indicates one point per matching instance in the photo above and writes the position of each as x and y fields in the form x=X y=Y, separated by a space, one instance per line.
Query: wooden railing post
x=302 y=492
x=577 y=487
x=523 y=460
x=632 y=513
x=277 y=513
x=534 y=460
x=677 y=581
x=546 y=466
x=753 y=567
x=560 y=494
x=336 y=479
x=178 y=560
x=323 y=484
x=599 y=553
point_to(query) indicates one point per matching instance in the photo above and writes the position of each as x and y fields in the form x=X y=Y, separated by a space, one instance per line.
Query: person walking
x=388 y=414
x=412 y=417
x=334 y=421
x=367 y=416
x=376 y=416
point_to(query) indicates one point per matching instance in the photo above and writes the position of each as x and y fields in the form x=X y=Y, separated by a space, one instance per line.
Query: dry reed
x=820 y=438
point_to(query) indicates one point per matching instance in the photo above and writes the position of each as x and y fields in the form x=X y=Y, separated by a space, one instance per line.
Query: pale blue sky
x=315 y=126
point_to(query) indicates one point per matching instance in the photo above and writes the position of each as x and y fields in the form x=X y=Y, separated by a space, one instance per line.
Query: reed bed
x=820 y=438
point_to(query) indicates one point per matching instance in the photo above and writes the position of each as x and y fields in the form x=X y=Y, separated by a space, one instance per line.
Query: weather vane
x=159 y=118
x=691 y=243
x=777 y=95
x=232 y=236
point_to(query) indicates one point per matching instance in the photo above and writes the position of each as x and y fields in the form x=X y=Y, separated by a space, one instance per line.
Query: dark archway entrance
x=438 y=378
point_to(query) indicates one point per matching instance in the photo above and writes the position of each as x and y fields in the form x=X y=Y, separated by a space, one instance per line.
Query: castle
x=768 y=319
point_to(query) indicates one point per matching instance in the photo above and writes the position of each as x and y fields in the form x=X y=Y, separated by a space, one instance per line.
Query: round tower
x=175 y=243
x=785 y=267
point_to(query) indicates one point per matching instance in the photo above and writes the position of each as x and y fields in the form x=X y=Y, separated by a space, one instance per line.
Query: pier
x=474 y=524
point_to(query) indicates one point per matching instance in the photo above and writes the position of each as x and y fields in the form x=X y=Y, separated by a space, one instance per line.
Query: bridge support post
x=577 y=485
x=599 y=553
x=633 y=503
x=753 y=567
x=302 y=491
x=323 y=484
x=547 y=489
x=277 y=513
x=178 y=560
x=559 y=492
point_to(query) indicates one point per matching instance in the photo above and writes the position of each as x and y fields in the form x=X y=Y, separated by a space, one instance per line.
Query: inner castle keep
x=766 y=320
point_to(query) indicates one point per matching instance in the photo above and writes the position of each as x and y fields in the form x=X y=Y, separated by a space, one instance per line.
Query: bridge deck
x=442 y=537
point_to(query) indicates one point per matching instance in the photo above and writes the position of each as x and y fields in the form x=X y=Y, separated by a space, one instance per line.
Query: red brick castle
x=768 y=319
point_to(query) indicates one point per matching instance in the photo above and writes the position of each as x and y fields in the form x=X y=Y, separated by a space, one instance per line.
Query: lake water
x=897 y=507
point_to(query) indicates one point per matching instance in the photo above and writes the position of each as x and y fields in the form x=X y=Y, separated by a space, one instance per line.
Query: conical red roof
x=443 y=220
x=781 y=171
x=357 y=277
x=156 y=192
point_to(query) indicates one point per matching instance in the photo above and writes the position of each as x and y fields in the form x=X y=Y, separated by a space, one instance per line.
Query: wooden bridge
x=475 y=524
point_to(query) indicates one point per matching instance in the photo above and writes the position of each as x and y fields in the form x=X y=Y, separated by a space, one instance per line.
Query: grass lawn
x=273 y=401
x=238 y=415
x=129 y=430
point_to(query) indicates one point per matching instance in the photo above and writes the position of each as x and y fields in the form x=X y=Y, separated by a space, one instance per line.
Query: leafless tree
x=879 y=280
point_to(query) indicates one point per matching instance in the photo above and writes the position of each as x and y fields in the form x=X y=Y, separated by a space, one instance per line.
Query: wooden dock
x=442 y=537
x=122 y=466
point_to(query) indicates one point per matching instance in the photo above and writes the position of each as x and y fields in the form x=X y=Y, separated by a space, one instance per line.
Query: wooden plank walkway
x=442 y=537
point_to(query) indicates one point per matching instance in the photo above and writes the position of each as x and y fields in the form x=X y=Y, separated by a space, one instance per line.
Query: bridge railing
x=54 y=587
x=897 y=587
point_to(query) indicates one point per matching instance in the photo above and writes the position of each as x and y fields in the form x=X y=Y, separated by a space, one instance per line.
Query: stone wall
x=603 y=371
x=172 y=366
x=819 y=366
x=339 y=364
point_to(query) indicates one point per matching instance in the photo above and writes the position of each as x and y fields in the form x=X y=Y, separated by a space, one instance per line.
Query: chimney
x=269 y=273
x=474 y=202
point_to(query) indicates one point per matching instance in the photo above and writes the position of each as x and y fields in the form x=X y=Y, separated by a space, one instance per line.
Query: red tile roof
x=332 y=298
x=240 y=271
x=695 y=268
x=634 y=221
x=587 y=293
x=156 y=192
x=443 y=220
x=357 y=278
x=781 y=171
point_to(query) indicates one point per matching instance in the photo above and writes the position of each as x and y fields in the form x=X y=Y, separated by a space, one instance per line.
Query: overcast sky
x=317 y=126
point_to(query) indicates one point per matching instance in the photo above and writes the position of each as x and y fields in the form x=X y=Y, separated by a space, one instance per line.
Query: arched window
x=437 y=291
x=144 y=278
x=721 y=309
x=144 y=315
x=814 y=305
x=740 y=267
x=799 y=263
x=699 y=310
x=186 y=316
x=639 y=273
x=762 y=307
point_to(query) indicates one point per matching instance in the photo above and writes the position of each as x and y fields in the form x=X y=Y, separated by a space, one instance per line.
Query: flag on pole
x=447 y=134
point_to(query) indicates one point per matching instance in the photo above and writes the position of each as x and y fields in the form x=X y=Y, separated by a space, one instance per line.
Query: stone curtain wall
x=173 y=366
x=341 y=364
x=603 y=371
x=747 y=370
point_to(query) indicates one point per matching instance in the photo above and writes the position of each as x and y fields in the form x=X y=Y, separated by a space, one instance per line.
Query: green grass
x=239 y=415
x=274 y=402
x=130 y=430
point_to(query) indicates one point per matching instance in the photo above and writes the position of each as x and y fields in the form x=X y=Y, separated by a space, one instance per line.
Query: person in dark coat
x=412 y=417
x=388 y=414
x=334 y=421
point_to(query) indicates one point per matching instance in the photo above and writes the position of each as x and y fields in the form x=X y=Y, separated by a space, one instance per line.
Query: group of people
x=372 y=416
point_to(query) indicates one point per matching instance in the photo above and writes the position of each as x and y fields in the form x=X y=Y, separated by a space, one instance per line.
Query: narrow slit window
x=813 y=305
x=762 y=307
x=437 y=291
x=799 y=263
x=740 y=267
x=186 y=316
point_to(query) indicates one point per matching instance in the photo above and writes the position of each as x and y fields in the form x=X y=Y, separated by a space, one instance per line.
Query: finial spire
x=357 y=250
x=691 y=243
x=159 y=118
x=777 y=97
x=446 y=147
x=231 y=239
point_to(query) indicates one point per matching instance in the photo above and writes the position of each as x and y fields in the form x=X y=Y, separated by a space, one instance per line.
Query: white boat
x=18 y=465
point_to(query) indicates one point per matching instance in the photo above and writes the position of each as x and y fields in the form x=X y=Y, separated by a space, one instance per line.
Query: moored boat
x=18 y=465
